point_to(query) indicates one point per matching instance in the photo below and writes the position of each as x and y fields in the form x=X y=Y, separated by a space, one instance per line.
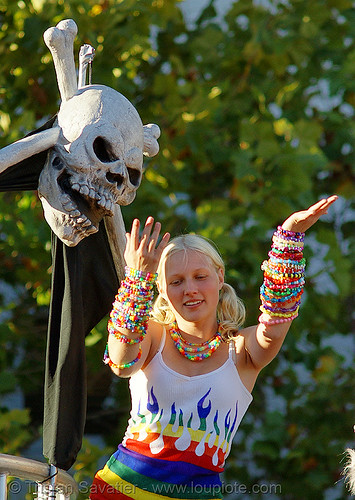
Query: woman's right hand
x=142 y=253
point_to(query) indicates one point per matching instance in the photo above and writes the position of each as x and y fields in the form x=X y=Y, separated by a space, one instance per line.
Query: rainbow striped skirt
x=132 y=475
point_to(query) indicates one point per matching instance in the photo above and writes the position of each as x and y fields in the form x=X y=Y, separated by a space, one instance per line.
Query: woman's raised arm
x=283 y=285
x=128 y=345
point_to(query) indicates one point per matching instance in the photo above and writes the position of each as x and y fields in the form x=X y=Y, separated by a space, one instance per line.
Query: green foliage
x=257 y=119
x=14 y=432
x=85 y=466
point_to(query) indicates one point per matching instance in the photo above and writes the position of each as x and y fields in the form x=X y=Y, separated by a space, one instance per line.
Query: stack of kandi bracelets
x=131 y=309
x=282 y=288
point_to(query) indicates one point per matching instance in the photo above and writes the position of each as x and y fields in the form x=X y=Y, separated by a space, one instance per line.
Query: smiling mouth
x=192 y=303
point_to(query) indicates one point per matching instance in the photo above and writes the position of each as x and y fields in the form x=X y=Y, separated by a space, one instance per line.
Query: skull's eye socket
x=57 y=163
x=103 y=150
x=134 y=176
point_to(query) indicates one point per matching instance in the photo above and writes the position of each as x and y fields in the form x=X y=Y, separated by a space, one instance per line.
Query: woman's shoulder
x=238 y=340
x=155 y=332
x=243 y=363
x=155 y=329
x=240 y=345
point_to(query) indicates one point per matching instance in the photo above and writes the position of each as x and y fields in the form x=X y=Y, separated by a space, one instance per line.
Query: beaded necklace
x=191 y=351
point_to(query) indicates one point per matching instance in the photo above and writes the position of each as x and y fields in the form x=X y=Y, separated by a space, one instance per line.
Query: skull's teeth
x=102 y=202
x=106 y=203
x=84 y=190
x=85 y=227
x=68 y=204
x=82 y=221
x=70 y=207
x=86 y=223
x=91 y=229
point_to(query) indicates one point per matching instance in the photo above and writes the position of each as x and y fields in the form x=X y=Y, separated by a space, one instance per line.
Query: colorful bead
x=133 y=303
x=109 y=362
x=131 y=310
x=283 y=278
x=121 y=336
x=266 y=319
x=192 y=351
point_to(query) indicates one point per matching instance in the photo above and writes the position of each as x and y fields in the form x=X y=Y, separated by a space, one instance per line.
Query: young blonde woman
x=191 y=368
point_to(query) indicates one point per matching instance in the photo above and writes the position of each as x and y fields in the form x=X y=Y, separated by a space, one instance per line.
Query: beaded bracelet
x=130 y=311
x=112 y=329
x=133 y=304
x=107 y=360
x=265 y=319
x=283 y=278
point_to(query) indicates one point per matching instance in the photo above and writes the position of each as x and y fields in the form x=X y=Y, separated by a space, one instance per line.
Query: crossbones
x=95 y=149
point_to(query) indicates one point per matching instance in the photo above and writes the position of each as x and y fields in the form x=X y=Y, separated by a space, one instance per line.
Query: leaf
x=7 y=382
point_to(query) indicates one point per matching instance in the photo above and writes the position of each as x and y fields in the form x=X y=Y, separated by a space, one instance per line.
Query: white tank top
x=176 y=417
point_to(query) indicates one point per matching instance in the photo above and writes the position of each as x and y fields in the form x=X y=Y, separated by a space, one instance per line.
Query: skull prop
x=96 y=163
x=97 y=143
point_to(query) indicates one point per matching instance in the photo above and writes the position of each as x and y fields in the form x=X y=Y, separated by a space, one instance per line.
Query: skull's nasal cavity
x=103 y=150
x=115 y=178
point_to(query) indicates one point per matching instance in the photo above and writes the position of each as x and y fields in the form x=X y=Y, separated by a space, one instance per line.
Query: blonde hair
x=230 y=308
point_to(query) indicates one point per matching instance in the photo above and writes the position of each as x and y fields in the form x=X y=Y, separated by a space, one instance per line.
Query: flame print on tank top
x=203 y=436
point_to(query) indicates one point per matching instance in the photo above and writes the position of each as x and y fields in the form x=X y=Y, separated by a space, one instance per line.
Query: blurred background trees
x=256 y=102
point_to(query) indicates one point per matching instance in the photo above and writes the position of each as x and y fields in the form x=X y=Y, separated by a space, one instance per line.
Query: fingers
x=133 y=236
x=322 y=206
x=154 y=237
x=149 y=237
x=301 y=221
x=147 y=241
x=164 y=241
x=329 y=201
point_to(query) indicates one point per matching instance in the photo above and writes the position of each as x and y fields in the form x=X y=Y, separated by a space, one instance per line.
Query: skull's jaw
x=72 y=208
x=75 y=202
x=81 y=200
x=69 y=229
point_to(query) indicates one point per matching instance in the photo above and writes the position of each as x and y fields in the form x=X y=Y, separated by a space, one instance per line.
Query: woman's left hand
x=301 y=221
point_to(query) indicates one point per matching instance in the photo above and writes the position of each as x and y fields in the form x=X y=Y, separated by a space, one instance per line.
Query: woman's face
x=192 y=286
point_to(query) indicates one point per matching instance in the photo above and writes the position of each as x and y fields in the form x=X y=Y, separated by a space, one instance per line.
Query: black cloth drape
x=24 y=175
x=84 y=283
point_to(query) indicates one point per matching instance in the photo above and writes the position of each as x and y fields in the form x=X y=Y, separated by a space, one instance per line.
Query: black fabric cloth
x=23 y=176
x=84 y=284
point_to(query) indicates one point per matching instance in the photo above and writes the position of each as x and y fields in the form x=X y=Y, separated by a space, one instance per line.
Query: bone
x=27 y=147
x=60 y=41
x=151 y=134
x=116 y=233
x=86 y=56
